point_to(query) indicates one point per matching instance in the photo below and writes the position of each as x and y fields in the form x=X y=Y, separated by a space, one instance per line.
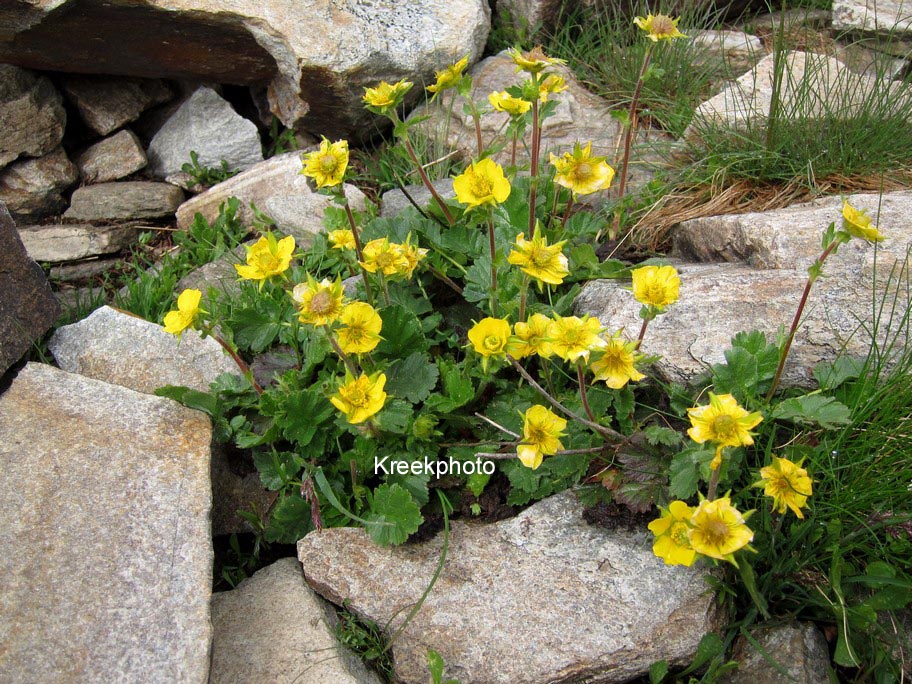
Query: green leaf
x=435 y=666
x=457 y=388
x=476 y=482
x=253 y=329
x=657 y=671
x=814 y=409
x=710 y=646
x=658 y=435
x=685 y=474
x=395 y=416
x=832 y=375
x=583 y=262
x=750 y=362
x=478 y=280
x=290 y=520
x=277 y=468
x=401 y=332
x=412 y=378
x=191 y=398
x=416 y=485
x=298 y=414
x=394 y=515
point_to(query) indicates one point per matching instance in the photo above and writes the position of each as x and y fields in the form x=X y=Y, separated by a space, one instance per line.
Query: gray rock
x=542 y=597
x=32 y=188
x=394 y=201
x=27 y=305
x=32 y=117
x=112 y=158
x=526 y=16
x=798 y=648
x=74 y=300
x=580 y=117
x=124 y=201
x=273 y=628
x=206 y=124
x=71 y=241
x=790 y=238
x=873 y=15
x=81 y=270
x=278 y=189
x=107 y=103
x=729 y=43
x=219 y=275
x=811 y=86
x=122 y=349
x=719 y=300
x=107 y=555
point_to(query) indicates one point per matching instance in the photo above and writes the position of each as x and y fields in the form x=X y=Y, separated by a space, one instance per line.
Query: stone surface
x=107 y=555
x=81 y=270
x=273 y=628
x=32 y=117
x=580 y=117
x=731 y=43
x=68 y=242
x=206 y=124
x=124 y=201
x=27 y=305
x=105 y=104
x=32 y=188
x=873 y=15
x=219 y=275
x=278 y=189
x=790 y=238
x=811 y=86
x=113 y=158
x=122 y=349
x=542 y=597
x=394 y=201
x=798 y=648
x=719 y=300
x=315 y=55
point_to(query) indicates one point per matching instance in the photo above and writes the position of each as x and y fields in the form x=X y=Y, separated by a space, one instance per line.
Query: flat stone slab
x=542 y=597
x=113 y=158
x=107 y=559
x=32 y=116
x=719 y=300
x=70 y=241
x=873 y=15
x=123 y=349
x=124 y=201
x=274 y=628
x=106 y=103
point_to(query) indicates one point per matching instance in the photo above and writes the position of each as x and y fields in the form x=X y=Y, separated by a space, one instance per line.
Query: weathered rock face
x=107 y=555
x=206 y=124
x=316 y=55
x=799 y=649
x=32 y=117
x=394 y=201
x=31 y=188
x=580 y=117
x=122 y=349
x=539 y=598
x=27 y=305
x=124 y=201
x=106 y=104
x=111 y=159
x=67 y=242
x=873 y=15
x=278 y=189
x=273 y=628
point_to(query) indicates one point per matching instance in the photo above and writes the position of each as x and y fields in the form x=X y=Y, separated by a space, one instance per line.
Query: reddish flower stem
x=427 y=181
x=358 y=252
x=584 y=397
x=245 y=369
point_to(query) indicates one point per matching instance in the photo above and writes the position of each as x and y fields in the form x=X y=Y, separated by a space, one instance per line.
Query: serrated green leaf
x=253 y=329
x=412 y=378
x=583 y=261
x=476 y=482
x=658 y=435
x=458 y=389
x=685 y=475
x=401 y=332
x=290 y=520
x=435 y=666
x=394 y=515
x=814 y=409
x=191 y=398
x=395 y=416
x=300 y=414
x=832 y=375
x=416 y=485
x=276 y=468
x=478 y=280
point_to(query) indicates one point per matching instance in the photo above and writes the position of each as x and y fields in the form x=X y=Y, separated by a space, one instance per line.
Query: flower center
x=540 y=256
x=725 y=426
x=583 y=171
x=492 y=343
x=716 y=531
x=481 y=186
x=662 y=25
x=356 y=395
x=385 y=259
x=535 y=435
x=268 y=262
x=678 y=534
x=328 y=164
x=322 y=303
x=655 y=293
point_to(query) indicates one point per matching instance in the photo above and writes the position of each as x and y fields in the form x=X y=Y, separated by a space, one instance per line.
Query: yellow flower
x=659 y=27
x=858 y=224
x=551 y=85
x=718 y=530
x=724 y=422
x=787 y=483
x=449 y=77
x=385 y=96
x=656 y=286
x=581 y=172
x=482 y=183
x=532 y=337
x=544 y=262
x=413 y=254
x=188 y=308
x=341 y=239
x=360 y=331
x=573 y=338
x=542 y=430
x=535 y=61
x=266 y=258
x=504 y=102
x=671 y=530
x=327 y=165
x=360 y=399
x=490 y=337
x=319 y=303
x=614 y=364
x=383 y=256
